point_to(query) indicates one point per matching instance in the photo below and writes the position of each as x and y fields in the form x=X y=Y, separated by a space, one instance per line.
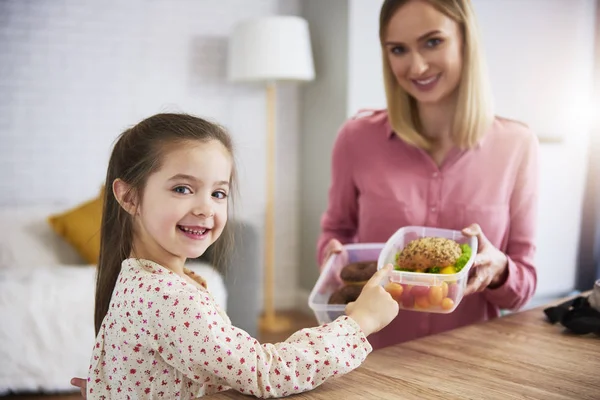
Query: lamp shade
x=270 y=48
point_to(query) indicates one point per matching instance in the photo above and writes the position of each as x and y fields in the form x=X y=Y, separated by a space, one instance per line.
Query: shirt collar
x=388 y=129
x=392 y=134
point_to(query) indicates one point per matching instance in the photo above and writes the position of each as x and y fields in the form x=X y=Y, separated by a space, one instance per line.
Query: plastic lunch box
x=329 y=280
x=425 y=292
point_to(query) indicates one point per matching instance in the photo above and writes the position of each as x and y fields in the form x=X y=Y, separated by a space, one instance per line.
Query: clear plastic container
x=420 y=291
x=329 y=281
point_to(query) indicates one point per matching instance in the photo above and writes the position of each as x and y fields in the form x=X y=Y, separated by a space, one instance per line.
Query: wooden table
x=519 y=356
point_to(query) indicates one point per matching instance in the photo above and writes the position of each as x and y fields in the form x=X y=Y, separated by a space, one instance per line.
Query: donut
x=345 y=294
x=358 y=273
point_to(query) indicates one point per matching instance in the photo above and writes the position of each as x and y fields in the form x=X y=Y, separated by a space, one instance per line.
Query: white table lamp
x=270 y=49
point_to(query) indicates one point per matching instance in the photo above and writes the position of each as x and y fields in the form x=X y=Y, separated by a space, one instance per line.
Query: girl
x=159 y=331
x=438 y=157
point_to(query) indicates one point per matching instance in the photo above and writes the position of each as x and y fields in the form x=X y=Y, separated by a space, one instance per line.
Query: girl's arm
x=198 y=342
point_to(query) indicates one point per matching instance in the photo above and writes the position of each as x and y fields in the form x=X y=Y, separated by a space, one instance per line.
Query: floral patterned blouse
x=164 y=337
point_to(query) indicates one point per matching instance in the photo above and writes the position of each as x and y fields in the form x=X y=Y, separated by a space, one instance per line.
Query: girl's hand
x=81 y=384
x=375 y=308
x=490 y=268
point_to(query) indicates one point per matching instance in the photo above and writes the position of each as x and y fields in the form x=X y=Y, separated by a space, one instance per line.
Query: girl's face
x=184 y=204
x=424 y=50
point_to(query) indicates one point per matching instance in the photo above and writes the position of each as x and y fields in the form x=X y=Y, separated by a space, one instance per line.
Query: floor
x=299 y=320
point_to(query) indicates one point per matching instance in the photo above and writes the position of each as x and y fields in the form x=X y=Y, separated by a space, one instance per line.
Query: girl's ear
x=125 y=196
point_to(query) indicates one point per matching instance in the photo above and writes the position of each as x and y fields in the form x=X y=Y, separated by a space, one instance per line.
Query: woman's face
x=424 y=49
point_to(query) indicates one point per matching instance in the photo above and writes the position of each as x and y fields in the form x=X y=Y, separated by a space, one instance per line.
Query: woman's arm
x=340 y=219
x=521 y=278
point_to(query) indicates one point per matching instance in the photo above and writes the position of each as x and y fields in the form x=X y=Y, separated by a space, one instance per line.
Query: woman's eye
x=398 y=50
x=434 y=42
x=182 y=190
x=220 y=195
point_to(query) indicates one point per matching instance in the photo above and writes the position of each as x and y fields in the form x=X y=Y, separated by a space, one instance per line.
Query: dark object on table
x=577 y=315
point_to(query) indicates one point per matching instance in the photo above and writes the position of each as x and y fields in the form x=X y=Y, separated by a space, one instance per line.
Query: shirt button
x=433 y=209
x=435 y=175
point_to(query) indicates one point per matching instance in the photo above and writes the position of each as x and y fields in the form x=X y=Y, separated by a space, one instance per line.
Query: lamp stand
x=270 y=321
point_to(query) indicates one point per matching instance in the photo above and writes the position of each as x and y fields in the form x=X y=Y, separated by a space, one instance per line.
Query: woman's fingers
x=480 y=279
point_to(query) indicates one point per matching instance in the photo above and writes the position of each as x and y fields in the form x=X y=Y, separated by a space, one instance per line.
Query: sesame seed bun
x=429 y=252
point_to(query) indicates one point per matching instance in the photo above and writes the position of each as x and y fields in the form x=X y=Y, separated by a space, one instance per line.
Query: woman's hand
x=332 y=280
x=81 y=384
x=490 y=268
x=333 y=247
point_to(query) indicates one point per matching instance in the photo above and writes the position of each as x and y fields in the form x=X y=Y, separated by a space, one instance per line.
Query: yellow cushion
x=80 y=227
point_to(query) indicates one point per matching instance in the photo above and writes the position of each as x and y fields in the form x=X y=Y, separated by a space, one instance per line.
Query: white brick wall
x=74 y=74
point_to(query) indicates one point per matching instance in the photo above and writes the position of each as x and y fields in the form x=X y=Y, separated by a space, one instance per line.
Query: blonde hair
x=474 y=111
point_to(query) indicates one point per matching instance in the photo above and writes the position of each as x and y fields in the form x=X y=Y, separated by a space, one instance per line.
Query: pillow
x=80 y=227
x=27 y=241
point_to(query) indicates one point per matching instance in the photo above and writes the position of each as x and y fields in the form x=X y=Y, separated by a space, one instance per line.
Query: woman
x=438 y=157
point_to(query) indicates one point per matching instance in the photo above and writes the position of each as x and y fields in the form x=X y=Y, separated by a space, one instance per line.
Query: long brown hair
x=138 y=153
x=474 y=111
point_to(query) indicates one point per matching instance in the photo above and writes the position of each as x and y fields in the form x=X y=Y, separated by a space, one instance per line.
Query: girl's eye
x=182 y=190
x=434 y=42
x=219 y=194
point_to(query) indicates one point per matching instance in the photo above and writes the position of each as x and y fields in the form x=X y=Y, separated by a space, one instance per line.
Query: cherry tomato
x=447 y=303
x=436 y=294
x=395 y=290
x=408 y=301
x=422 y=302
x=444 y=289
x=419 y=291
x=407 y=288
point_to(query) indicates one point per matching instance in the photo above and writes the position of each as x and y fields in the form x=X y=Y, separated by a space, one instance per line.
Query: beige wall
x=323 y=105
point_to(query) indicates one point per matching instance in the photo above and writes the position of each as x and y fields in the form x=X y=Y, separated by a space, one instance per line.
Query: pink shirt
x=380 y=184
x=165 y=338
